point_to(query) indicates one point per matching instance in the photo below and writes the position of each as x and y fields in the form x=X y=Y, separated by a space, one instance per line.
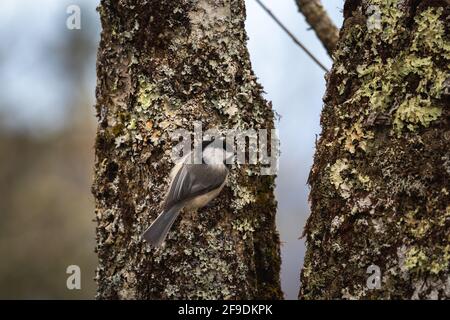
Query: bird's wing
x=193 y=180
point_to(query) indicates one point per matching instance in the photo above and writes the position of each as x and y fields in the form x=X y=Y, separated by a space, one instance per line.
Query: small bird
x=192 y=187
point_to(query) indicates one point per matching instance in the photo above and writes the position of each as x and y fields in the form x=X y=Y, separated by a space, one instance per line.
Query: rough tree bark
x=380 y=181
x=162 y=65
x=320 y=22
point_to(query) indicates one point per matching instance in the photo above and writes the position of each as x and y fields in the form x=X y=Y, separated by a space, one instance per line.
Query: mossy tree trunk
x=161 y=66
x=380 y=186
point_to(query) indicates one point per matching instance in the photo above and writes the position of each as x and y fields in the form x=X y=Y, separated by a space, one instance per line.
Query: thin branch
x=291 y=35
x=318 y=19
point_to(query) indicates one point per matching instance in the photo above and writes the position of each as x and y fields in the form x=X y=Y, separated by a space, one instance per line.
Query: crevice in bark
x=379 y=183
x=161 y=66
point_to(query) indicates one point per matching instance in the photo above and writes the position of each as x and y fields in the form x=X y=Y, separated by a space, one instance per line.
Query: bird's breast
x=204 y=199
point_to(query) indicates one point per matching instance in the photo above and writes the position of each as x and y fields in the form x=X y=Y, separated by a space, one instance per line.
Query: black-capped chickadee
x=192 y=186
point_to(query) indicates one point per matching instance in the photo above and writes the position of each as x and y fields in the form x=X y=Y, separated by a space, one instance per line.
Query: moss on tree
x=380 y=179
x=161 y=66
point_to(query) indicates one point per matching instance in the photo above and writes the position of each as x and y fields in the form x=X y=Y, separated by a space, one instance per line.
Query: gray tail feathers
x=157 y=232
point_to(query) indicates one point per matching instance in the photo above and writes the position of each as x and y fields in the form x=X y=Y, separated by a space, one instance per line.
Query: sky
x=295 y=85
x=33 y=85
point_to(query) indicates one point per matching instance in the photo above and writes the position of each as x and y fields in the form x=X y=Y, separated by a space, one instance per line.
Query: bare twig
x=318 y=19
x=291 y=35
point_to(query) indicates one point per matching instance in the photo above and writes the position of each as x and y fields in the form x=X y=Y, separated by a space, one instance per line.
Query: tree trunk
x=320 y=22
x=161 y=66
x=380 y=181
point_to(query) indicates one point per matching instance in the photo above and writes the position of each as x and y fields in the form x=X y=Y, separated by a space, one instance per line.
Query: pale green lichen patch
x=442 y=261
x=356 y=137
x=415 y=259
x=431 y=32
x=419 y=260
x=210 y=274
x=244 y=226
x=344 y=178
x=381 y=169
x=147 y=94
x=391 y=15
x=243 y=196
x=163 y=66
x=337 y=178
x=384 y=86
x=132 y=124
x=415 y=112
x=386 y=83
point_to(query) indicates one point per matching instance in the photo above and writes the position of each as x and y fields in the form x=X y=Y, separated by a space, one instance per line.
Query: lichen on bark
x=161 y=66
x=380 y=179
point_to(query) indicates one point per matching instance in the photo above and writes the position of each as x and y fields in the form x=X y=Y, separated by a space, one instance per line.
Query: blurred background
x=47 y=130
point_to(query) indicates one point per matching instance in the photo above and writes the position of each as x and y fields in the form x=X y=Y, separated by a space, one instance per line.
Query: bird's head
x=217 y=150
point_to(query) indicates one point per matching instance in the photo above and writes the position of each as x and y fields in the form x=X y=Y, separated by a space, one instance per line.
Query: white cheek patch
x=214 y=155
